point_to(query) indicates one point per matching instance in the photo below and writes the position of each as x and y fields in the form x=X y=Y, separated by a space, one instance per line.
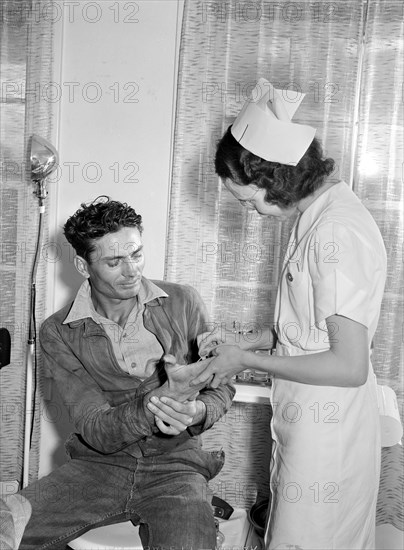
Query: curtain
x=26 y=108
x=347 y=57
x=378 y=181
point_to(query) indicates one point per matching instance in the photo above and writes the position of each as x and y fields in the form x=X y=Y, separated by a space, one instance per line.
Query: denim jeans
x=167 y=495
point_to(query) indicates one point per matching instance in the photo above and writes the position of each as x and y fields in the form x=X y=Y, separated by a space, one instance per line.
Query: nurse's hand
x=173 y=417
x=208 y=341
x=227 y=361
x=259 y=338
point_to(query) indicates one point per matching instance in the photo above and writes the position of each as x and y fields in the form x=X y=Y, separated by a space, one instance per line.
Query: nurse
x=326 y=453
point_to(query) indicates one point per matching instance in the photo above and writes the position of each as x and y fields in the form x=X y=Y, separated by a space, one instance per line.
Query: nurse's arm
x=345 y=364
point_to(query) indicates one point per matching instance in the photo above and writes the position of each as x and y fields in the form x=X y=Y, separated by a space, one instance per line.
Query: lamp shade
x=44 y=158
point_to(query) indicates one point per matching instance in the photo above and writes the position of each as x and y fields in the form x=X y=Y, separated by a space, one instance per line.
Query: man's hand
x=179 y=377
x=173 y=417
x=174 y=403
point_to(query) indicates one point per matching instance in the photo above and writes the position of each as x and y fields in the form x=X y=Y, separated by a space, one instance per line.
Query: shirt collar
x=83 y=307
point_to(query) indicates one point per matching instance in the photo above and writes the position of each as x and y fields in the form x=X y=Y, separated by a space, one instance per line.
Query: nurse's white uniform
x=326 y=460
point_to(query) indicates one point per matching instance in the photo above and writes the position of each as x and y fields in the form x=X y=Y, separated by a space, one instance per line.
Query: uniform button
x=289 y=276
x=133 y=365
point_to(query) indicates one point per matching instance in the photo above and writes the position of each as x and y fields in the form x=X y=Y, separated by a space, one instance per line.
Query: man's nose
x=130 y=267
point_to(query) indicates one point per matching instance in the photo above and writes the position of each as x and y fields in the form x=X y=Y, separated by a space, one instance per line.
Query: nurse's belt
x=264 y=125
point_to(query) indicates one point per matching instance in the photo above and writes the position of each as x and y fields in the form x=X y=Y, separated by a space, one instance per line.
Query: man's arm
x=105 y=428
x=173 y=417
x=181 y=411
x=217 y=401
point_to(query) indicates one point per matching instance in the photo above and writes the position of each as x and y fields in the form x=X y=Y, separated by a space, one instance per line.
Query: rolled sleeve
x=217 y=401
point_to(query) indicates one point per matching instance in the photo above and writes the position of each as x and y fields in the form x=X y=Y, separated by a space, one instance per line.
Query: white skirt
x=325 y=466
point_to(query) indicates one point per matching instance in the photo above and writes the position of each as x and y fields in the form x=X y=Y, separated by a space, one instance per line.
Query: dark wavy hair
x=285 y=185
x=96 y=219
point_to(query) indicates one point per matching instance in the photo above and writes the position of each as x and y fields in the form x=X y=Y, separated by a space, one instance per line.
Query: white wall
x=117 y=69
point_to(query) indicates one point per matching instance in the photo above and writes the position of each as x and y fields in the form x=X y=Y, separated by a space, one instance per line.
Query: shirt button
x=289 y=276
x=133 y=365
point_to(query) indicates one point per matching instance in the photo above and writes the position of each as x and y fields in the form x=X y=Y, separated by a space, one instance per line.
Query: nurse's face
x=253 y=198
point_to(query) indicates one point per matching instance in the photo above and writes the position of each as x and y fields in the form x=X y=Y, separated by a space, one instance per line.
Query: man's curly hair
x=284 y=185
x=96 y=219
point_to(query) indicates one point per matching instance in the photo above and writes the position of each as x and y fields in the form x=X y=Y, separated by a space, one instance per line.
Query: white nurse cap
x=264 y=125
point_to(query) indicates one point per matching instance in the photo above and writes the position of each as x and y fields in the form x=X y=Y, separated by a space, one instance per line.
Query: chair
x=125 y=536
x=119 y=536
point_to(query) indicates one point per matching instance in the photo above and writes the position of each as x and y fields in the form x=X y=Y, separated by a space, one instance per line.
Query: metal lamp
x=44 y=160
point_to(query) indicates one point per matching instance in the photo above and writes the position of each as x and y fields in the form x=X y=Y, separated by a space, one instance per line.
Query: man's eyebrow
x=116 y=257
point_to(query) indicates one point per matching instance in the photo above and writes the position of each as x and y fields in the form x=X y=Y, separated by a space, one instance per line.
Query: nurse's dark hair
x=284 y=185
x=96 y=219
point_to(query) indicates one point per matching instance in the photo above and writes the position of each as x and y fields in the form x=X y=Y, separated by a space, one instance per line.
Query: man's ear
x=81 y=266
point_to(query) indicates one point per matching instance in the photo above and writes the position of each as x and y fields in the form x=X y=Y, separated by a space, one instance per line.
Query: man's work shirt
x=136 y=349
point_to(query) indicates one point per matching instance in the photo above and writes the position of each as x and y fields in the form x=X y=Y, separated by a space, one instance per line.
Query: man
x=121 y=356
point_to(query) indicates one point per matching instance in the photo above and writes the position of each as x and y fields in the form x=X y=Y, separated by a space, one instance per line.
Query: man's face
x=116 y=265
